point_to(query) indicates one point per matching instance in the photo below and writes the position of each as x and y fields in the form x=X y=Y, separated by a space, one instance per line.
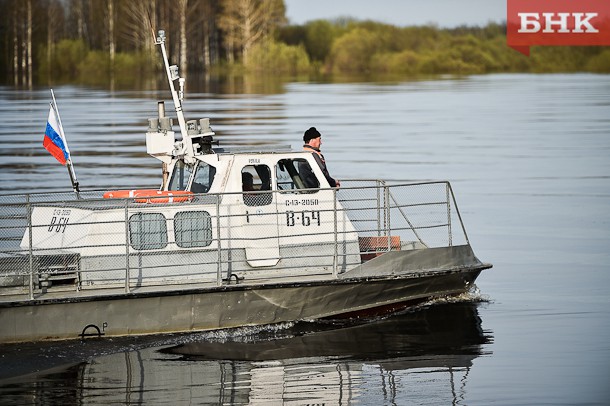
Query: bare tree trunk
x=230 y=48
x=15 y=49
x=79 y=18
x=246 y=22
x=163 y=19
x=50 y=19
x=24 y=57
x=55 y=13
x=206 y=44
x=182 y=9
x=141 y=22
x=246 y=12
x=111 y=42
x=215 y=46
x=29 y=42
x=150 y=44
x=209 y=15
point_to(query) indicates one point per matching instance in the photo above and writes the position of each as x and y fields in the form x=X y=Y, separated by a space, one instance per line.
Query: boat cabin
x=193 y=164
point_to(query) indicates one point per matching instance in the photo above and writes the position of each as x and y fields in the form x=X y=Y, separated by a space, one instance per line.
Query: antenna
x=172 y=75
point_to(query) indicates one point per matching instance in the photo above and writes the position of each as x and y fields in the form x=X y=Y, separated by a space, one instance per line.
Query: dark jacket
x=311 y=183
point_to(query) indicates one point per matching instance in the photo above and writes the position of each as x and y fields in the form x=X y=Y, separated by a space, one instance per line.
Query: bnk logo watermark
x=557 y=22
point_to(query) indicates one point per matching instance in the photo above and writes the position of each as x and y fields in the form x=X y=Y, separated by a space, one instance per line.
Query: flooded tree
x=182 y=10
x=18 y=40
x=110 y=18
x=245 y=22
x=94 y=41
x=141 y=22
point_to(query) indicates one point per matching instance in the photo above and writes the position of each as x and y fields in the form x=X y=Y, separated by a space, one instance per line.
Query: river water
x=529 y=160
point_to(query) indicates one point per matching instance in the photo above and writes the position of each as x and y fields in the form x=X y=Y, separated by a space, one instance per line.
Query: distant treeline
x=367 y=47
x=97 y=41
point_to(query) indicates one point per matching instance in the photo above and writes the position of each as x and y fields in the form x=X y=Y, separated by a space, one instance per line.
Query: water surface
x=529 y=160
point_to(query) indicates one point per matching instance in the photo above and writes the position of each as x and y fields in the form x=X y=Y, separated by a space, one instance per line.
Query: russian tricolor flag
x=54 y=140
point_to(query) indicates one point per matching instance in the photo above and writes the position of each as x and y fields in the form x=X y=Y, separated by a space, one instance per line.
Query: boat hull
x=219 y=307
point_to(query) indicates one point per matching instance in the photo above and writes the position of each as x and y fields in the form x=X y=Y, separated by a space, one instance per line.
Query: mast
x=172 y=75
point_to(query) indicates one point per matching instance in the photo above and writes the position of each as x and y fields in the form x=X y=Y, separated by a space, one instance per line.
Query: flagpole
x=69 y=160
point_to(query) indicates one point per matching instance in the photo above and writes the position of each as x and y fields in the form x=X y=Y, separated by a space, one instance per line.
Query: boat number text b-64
x=59 y=221
x=304 y=218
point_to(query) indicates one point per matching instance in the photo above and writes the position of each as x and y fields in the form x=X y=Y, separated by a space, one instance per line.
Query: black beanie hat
x=311 y=134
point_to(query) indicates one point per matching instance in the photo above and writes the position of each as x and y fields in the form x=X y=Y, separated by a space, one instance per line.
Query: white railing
x=56 y=242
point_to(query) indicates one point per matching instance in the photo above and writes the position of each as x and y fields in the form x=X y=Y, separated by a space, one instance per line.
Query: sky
x=444 y=13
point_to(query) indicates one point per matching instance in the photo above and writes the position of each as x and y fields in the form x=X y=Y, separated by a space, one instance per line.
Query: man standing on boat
x=313 y=141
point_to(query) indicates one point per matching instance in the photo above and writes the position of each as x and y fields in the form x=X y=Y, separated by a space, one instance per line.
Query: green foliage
x=422 y=39
x=447 y=62
x=600 y=63
x=67 y=56
x=562 y=59
x=72 y=61
x=276 y=57
x=319 y=37
x=95 y=66
x=475 y=54
x=405 y=62
x=292 y=34
x=369 y=48
x=128 y=68
x=353 y=52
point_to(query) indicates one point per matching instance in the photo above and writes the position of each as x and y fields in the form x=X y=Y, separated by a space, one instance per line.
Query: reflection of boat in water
x=204 y=252
x=436 y=330
x=379 y=362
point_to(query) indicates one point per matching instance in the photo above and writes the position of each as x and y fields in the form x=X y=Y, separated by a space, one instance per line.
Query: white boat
x=207 y=251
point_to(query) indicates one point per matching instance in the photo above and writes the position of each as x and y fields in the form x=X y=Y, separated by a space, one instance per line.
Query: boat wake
x=472 y=295
x=240 y=334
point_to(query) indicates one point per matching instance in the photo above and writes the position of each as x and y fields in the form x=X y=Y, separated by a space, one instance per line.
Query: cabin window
x=147 y=231
x=202 y=181
x=180 y=176
x=294 y=174
x=255 y=178
x=193 y=229
x=204 y=176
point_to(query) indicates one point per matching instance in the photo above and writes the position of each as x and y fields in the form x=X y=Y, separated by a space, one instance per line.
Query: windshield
x=204 y=176
x=202 y=181
x=180 y=176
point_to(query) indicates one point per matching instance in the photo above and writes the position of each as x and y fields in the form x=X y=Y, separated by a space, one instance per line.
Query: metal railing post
x=378 y=209
x=457 y=210
x=450 y=236
x=28 y=206
x=388 y=226
x=127 y=270
x=219 y=270
x=336 y=253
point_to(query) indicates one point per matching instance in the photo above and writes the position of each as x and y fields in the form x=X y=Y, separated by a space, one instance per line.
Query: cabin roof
x=254 y=149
